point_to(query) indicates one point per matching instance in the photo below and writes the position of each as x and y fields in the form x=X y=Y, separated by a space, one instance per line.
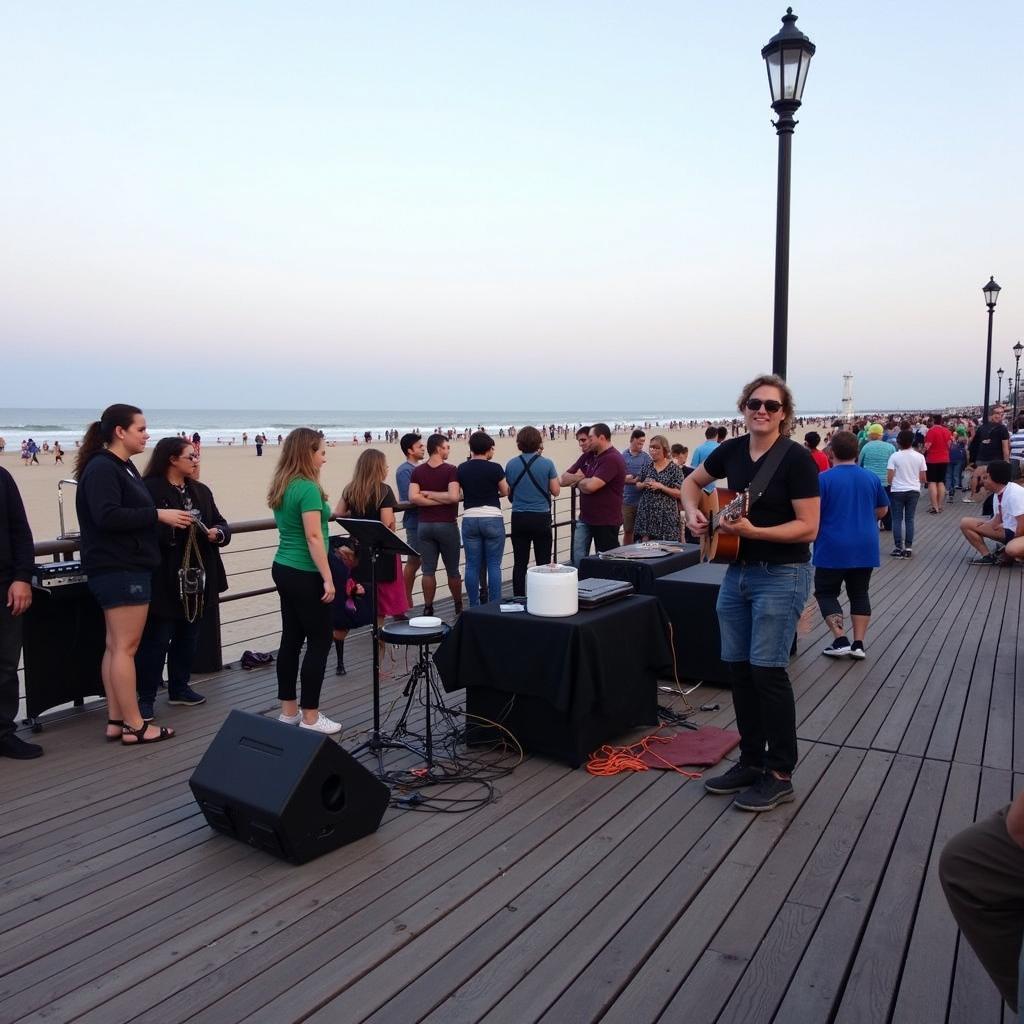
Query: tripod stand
x=376 y=540
x=422 y=677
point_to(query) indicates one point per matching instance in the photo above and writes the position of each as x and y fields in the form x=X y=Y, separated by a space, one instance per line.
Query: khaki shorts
x=628 y=518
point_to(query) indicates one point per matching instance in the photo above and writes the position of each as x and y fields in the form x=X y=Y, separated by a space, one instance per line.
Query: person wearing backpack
x=533 y=482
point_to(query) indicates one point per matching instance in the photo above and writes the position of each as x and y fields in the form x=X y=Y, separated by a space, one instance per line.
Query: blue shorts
x=412 y=538
x=119 y=588
x=759 y=606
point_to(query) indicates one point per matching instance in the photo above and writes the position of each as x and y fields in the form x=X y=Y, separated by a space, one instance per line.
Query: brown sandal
x=140 y=734
x=117 y=724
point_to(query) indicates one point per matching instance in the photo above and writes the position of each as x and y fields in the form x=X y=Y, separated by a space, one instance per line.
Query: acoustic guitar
x=724 y=547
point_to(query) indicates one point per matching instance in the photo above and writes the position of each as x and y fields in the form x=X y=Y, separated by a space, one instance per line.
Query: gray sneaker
x=736 y=779
x=766 y=794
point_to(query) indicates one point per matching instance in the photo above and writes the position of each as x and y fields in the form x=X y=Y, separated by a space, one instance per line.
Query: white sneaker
x=322 y=724
x=290 y=719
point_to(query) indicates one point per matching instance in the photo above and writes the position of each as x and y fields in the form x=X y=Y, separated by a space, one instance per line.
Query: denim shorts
x=118 y=588
x=412 y=538
x=759 y=606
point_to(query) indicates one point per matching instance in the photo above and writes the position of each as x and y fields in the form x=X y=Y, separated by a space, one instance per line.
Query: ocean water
x=224 y=426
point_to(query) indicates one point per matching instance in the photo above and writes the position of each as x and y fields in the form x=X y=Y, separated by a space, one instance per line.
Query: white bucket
x=551 y=591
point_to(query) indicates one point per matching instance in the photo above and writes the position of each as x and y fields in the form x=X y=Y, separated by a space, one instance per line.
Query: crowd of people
x=150 y=545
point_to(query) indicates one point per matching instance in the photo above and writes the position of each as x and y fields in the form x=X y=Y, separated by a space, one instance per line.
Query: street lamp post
x=991 y=293
x=1017 y=349
x=787 y=56
x=999 y=391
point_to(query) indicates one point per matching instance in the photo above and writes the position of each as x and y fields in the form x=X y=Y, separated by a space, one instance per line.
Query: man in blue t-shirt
x=709 y=495
x=413 y=450
x=846 y=550
x=637 y=460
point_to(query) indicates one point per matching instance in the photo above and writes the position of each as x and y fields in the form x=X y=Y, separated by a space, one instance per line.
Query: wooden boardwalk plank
x=637 y=898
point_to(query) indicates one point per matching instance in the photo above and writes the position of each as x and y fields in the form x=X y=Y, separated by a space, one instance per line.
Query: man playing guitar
x=765 y=590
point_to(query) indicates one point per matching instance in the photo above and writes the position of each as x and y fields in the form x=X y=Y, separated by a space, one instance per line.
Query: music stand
x=375 y=540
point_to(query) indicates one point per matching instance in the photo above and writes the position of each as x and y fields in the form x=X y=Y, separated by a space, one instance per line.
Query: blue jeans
x=581 y=542
x=173 y=639
x=759 y=605
x=954 y=474
x=904 y=506
x=483 y=538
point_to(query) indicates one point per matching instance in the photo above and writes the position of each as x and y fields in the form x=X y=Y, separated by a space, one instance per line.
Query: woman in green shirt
x=302 y=576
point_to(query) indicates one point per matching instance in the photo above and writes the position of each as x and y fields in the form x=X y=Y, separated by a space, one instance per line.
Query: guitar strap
x=768 y=468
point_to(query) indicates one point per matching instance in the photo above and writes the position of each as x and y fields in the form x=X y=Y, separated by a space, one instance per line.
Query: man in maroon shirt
x=434 y=487
x=601 y=484
x=936 y=455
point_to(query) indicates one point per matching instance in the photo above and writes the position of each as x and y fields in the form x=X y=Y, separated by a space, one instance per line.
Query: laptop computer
x=596 y=592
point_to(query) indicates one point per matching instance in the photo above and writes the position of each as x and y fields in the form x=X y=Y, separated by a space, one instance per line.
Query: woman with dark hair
x=532 y=482
x=118 y=521
x=188 y=579
x=483 y=523
x=302 y=575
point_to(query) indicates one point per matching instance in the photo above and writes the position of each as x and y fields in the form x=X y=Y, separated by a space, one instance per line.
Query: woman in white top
x=906 y=471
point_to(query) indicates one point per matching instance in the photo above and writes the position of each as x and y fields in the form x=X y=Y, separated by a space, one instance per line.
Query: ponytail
x=101 y=432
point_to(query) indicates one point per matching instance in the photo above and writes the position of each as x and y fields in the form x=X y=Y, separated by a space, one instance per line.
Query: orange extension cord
x=610 y=760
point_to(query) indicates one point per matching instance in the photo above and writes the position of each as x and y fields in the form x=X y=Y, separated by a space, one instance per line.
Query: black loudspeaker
x=289 y=791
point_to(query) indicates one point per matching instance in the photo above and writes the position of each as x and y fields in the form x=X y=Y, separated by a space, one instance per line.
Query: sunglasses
x=754 y=404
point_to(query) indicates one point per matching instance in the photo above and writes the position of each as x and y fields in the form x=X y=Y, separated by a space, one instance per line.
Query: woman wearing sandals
x=118 y=521
x=177 y=605
x=302 y=575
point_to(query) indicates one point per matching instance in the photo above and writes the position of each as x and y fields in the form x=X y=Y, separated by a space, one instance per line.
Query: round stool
x=401 y=634
x=404 y=635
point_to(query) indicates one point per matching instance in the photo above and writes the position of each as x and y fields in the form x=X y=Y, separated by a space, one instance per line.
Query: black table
x=562 y=686
x=641 y=572
x=689 y=598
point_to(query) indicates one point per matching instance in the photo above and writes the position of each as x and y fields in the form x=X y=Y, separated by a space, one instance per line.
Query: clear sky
x=455 y=204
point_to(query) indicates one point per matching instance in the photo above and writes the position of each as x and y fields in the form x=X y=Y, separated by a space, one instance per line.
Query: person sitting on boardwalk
x=763 y=595
x=1007 y=507
x=852 y=502
x=982 y=874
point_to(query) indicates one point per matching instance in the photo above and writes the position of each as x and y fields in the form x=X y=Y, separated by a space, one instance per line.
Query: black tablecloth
x=641 y=572
x=688 y=598
x=600 y=661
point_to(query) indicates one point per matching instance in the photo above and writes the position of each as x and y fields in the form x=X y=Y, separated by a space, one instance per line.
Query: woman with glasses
x=188 y=579
x=765 y=591
x=657 y=514
x=118 y=520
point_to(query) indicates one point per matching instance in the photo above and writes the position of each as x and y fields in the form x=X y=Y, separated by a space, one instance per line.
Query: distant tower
x=848 y=394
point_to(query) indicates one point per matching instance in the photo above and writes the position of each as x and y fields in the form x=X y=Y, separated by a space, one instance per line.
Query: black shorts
x=937 y=472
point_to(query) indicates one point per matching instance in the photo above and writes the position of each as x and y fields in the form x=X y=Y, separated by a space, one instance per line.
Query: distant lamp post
x=991 y=293
x=787 y=56
x=1017 y=349
x=999 y=390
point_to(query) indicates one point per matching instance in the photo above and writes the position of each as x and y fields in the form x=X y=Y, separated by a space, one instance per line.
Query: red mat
x=707 y=746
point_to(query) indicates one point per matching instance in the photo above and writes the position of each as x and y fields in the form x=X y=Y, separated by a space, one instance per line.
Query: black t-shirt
x=796 y=477
x=988 y=442
x=479 y=479
x=386 y=564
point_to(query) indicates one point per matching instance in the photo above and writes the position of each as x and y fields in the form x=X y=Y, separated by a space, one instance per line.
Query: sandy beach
x=239 y=479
